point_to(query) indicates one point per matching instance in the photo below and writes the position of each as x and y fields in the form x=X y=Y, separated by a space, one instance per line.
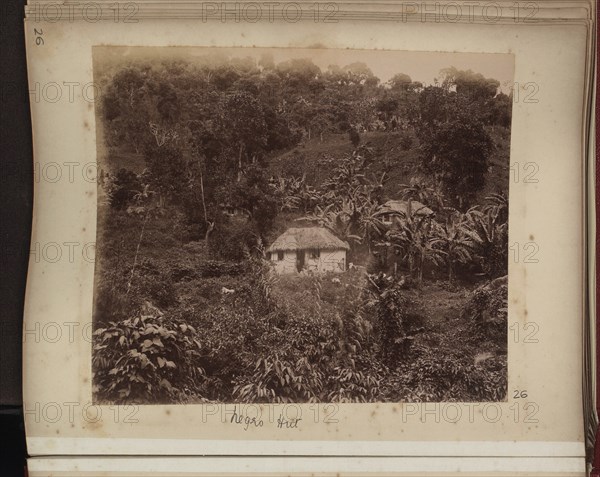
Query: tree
x=122 y=188
x=318 y=121
x=279 y=135
x=500 y=110
x=334 y=218
x=483 y=94
x=127 y=107
x=434 y=107
x=455 y=241
x=400 y=82
x=491 y=226
x=255 y=195
x=242 y=119
x=166 y=167
x=497 y=206
x=414 y=239
x=354 y=137
x=287 y=190
x=362 y=114
x=370 y=223
x=423 y=191
x=299 y=76
x=360 y=74
x=455 y=146
x=352 y=200
x=387 y=108
x=405 y=93
x=473 y=85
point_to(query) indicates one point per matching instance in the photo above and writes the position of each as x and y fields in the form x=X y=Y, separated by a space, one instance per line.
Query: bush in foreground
x=147 y=359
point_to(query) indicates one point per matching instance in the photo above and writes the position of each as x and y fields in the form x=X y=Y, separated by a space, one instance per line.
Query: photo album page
x=331 y=244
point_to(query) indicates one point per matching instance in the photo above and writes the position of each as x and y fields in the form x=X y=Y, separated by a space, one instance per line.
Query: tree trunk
x=202 y=197
x=137 y=251
x=239 y=176
x=203 y=200
x=211 y=227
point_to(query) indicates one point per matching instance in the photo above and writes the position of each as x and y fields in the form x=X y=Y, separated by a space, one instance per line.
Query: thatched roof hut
x=307 y=238
x=403 y=206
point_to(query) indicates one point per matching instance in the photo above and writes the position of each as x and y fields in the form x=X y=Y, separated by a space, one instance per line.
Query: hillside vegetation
x=203 y=165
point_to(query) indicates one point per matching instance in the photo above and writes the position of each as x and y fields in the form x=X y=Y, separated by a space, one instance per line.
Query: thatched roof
x=307 y=238
x=401 y=206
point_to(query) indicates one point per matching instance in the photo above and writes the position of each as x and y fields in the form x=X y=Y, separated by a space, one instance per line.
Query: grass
x=335 y=293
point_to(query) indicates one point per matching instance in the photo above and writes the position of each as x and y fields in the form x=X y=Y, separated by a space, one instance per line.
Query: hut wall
x=287 y=265
x=328 y=261
x=332 y=261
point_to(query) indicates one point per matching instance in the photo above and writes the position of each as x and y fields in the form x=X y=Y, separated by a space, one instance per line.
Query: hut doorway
x=300 y=260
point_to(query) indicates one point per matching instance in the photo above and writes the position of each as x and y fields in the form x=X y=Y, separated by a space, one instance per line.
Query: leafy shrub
x=398 y=317
x=306 y=353
x=122 y=188
x=234 y=326
x=452 y=375
x=152 y=281
x=233 y=240
x=496 y=255
x=406 y=141
x=487 y=309
x=184 y=272
x=217 y=268
x=351 y=385
x=147 y=359
x=354 y=137
x=228 y=335
x=111 y=303
x=279 y=380
x=186 y=230
x=316 y=342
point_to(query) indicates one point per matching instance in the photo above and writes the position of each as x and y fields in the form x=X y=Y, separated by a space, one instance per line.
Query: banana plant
x=456 y=242
x=415 y=240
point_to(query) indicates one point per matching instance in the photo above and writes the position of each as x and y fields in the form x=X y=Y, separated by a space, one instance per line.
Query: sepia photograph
x=282 y=225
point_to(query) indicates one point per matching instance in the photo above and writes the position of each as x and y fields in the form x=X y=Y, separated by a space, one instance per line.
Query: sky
x=420 y=66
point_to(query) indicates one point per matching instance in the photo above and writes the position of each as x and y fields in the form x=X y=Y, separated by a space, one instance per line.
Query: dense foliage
x=228 y=154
